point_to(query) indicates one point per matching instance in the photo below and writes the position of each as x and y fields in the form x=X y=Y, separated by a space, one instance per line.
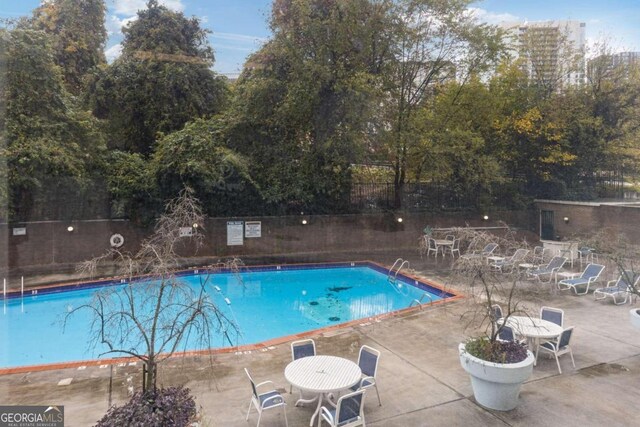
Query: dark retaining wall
x=48 y=247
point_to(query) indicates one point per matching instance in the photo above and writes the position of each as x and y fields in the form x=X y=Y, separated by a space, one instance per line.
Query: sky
x=240 y=27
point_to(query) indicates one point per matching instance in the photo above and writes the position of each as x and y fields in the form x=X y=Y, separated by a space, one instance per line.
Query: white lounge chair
x=550 y=269
x=588 y=276
x=483 y=254
x=511 y=262
x=618 y=287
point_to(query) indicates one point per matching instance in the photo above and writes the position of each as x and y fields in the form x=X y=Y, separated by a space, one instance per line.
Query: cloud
x=491 y=17
x=113 y=52
x=131 y=7
x=238 y=37
x=115 y=24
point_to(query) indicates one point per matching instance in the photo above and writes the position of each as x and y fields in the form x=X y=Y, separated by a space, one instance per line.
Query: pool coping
x=422 y=283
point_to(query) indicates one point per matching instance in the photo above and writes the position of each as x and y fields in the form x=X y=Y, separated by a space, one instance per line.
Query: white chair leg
x=259 y=416
x=378 y=393
x=248 y=411
x=558 y=363
x=572 y=361
x=284 y=409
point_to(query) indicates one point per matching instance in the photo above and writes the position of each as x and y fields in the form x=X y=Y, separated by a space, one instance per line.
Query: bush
x=497 y=351
x=173 y=406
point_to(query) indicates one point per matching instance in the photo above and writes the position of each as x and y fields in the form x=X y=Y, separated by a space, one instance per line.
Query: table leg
x=317 y=412
x=302 y=401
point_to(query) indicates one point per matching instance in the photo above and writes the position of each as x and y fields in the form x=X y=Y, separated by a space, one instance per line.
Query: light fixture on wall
x=399 y=219
x=486 y=217
x=70 y=228
x=566 y=219
x=304 y=222
x=195 y=225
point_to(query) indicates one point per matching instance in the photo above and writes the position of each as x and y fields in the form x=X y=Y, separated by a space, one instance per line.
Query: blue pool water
x=264 y=304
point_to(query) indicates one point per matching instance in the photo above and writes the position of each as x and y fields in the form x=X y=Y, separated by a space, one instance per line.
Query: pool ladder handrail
x=419 y=303
x=395 y=276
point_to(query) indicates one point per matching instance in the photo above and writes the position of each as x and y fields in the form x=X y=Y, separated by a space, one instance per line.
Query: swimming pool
x=265 y=302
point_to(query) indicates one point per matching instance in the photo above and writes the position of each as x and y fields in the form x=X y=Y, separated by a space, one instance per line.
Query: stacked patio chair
x=588 y=276
x=619 y=288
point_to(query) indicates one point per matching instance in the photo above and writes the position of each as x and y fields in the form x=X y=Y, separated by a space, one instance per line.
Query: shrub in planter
x=167 y=407
x=496 y=351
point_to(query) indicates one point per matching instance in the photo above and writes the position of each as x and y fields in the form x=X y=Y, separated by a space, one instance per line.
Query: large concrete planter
x=496 y=385
x=635 y=317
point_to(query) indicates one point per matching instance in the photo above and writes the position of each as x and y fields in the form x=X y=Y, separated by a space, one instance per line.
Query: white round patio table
x=322 y=375
x=534 y=328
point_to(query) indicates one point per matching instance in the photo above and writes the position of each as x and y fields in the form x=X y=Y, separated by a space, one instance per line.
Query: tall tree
x=162 y=80
x=79 y=36
x=308 y=97
x=435 y=41
x=46 y=138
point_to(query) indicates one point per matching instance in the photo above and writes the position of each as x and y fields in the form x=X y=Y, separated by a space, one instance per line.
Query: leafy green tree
x=46 y=139
x=306 y=100
x=434 y=42
x=162 y=80
x=78 y=33
x=196 y=157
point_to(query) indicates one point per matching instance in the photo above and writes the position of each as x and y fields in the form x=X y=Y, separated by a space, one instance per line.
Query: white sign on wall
x=235 y=233
x=253 y=229
x=20 y=231
x=186 y=231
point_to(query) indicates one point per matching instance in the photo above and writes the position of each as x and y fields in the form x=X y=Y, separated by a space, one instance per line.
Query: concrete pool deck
x=420 y=378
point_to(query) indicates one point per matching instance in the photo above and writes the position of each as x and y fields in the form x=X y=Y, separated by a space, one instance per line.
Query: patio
x=419 y=377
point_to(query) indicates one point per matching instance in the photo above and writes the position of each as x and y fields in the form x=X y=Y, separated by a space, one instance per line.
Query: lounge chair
x=368 y=363
x=618 y=287
x=588 y=276
x=550 y=269
x=511 y=262
x=348 y=412
x=558 y=347
x=483 y=254
x=264 y=401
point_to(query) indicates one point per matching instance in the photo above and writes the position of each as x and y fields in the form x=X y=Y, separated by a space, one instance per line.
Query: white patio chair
x=349 y=411
x=300 y=349
x=432 y=246
x=558 y=347
x=368 y=363
x=264 y=401
x=554 y=315
x=455 y=247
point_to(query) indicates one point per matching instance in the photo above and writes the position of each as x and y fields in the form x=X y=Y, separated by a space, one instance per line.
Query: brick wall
x=48 y=247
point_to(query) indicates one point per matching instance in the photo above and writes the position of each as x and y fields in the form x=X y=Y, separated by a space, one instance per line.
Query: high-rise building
x=602 y=67
x=552 y=53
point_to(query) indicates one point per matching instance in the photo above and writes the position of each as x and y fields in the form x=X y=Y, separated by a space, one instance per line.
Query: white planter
x=496 y=385
x=635 y=317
